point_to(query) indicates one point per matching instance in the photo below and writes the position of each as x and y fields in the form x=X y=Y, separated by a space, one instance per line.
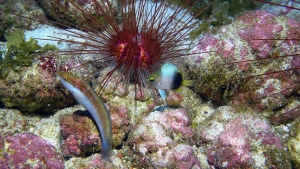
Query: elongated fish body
x=85 y=96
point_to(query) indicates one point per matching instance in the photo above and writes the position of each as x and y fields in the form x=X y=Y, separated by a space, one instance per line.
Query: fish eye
x=151 y=79
x=65 y=78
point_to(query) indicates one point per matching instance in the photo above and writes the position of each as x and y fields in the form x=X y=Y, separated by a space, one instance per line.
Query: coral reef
x=248 y=75
x=20 y=52
x=11 y=12
x=33 y=89
x=11 y=122
x=120 y=95
x=158 y=141
x=290 y=112
x=294 y=143
x=174 y=99
x=27 y=150
x=241 y=139
x=93 y=162
x=283 y=8
x=29 y=85
x=67 y=11
x=120 y=124
x=80 y=136
x=244 y=70
x=222 y=12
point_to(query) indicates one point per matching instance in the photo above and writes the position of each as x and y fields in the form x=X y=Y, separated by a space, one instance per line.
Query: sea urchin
x=134 y=37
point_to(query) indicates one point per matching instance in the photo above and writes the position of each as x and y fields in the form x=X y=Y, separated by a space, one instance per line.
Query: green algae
x=195 y=125
x=221 y=12
x=21 y=85
x=20 y=53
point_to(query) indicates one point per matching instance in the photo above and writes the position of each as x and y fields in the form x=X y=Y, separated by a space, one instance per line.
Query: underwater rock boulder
x=93 y=161
x=80 y=135
x=245 y=64
x=66 y=11
x=120 y=124
x=294 y=143
x=160 y=141
x=11 y=122
x=10 y=21
x=27 y=150
x=33 y=89
x=241 y=139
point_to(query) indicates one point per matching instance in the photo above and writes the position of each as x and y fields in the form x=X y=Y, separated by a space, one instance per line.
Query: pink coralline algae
x=48 y=63
x=262 y=25
x=174 y=99
x=120 y=124
x=92 y=162
x=27 y=150
x=246 y=65
x=81 y=136
x=241 y=141
x=159 y=141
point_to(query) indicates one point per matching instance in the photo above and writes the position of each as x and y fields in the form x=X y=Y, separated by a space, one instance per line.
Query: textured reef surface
x=249 y=70
x=242 y=113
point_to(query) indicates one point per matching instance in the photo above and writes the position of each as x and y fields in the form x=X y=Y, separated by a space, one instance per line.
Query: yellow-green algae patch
x=20 y=53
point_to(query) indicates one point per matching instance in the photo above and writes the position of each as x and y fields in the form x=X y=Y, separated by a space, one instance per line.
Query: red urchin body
x=135 y=41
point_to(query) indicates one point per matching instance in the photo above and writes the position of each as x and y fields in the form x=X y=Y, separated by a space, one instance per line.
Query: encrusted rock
x=27 y=150
x=245 y=65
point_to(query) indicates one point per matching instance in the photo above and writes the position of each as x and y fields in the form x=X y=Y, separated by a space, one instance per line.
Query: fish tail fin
x=190 y=83
x=106 y=152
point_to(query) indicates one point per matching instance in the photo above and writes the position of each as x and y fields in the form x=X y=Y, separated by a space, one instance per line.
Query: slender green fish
x=86 y=96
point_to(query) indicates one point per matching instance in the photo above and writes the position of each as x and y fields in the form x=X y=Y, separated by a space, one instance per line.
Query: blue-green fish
x=86 y=96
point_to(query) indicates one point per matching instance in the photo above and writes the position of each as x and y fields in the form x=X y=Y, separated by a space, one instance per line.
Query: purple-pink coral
x=27 y=150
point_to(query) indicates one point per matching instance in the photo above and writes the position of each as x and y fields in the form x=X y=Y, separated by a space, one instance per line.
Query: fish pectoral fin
x=190 y=83
x=162 y=94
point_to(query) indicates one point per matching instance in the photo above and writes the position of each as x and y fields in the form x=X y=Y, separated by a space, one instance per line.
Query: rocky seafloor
x=242 y=113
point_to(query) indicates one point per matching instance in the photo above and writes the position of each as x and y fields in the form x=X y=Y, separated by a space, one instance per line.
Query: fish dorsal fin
x=168 y=69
